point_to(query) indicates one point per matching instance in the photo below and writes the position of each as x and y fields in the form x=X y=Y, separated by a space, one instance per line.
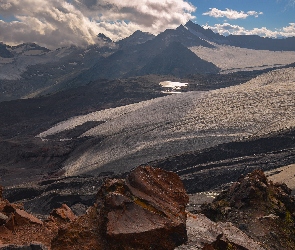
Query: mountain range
x=28 y=70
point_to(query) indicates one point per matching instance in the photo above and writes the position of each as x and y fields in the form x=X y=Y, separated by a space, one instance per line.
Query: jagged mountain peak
x=104 y=38
x=139 y=32
x=183 y=35
x=205 y=34
x=138 y=37
x=193 y=25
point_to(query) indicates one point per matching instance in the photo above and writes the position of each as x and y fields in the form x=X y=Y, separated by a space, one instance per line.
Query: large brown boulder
x=144 y=211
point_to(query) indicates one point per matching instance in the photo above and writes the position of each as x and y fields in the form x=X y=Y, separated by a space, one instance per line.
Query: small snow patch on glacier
x=171 y=87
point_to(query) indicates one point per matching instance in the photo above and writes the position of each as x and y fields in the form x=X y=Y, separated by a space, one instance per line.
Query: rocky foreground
x=147 y=210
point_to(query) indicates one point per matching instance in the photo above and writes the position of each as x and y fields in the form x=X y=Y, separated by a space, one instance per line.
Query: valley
x=207 y=107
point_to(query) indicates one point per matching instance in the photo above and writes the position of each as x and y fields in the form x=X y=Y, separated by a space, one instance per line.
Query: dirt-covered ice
x=145 y=131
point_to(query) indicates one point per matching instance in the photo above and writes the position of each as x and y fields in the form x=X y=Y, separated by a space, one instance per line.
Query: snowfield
x=145 y=131
x=232 y=59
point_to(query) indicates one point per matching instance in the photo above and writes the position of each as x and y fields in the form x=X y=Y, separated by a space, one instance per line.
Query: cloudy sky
x=56 y=23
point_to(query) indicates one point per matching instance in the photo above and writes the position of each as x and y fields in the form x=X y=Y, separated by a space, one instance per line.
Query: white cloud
x=228 y=29
x=231 y=14
x=55 y=23
x=289 y=30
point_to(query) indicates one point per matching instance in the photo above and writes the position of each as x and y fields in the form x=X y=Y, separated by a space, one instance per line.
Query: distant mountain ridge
x=138 y=37
x=29 y=70
x=243 y=41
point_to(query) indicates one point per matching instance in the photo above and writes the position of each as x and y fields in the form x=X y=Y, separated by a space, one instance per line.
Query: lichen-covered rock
x=144 y=211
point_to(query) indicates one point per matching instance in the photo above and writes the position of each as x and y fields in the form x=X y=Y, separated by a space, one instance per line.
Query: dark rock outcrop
x=263 y=210
x=146 y=210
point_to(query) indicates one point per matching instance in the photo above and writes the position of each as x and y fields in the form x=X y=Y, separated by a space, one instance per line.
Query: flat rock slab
x=202 y=232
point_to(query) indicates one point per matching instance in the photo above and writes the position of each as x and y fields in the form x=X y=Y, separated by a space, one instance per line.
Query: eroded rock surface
x=147 y=209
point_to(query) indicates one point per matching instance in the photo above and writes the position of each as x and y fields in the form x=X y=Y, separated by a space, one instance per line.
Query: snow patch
x=172 y=86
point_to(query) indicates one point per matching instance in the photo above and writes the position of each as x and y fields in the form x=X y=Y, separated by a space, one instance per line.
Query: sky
x=57 y=23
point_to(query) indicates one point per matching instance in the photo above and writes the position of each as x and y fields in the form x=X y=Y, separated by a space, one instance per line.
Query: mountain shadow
x=179 y=61
x=4 y=52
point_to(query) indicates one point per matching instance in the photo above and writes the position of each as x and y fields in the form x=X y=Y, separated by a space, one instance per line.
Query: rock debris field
x=136 y=134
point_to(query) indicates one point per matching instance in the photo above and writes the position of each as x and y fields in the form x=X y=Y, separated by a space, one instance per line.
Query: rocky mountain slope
x=146 y=209
x=72 y=129
x=33 y=71
x=234 y=59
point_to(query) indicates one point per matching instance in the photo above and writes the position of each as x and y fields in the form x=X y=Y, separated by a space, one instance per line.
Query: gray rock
x=3 y=218
x=33 y=246
x=203 y=232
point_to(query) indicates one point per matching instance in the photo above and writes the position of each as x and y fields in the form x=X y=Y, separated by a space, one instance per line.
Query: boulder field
x=147 y=210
